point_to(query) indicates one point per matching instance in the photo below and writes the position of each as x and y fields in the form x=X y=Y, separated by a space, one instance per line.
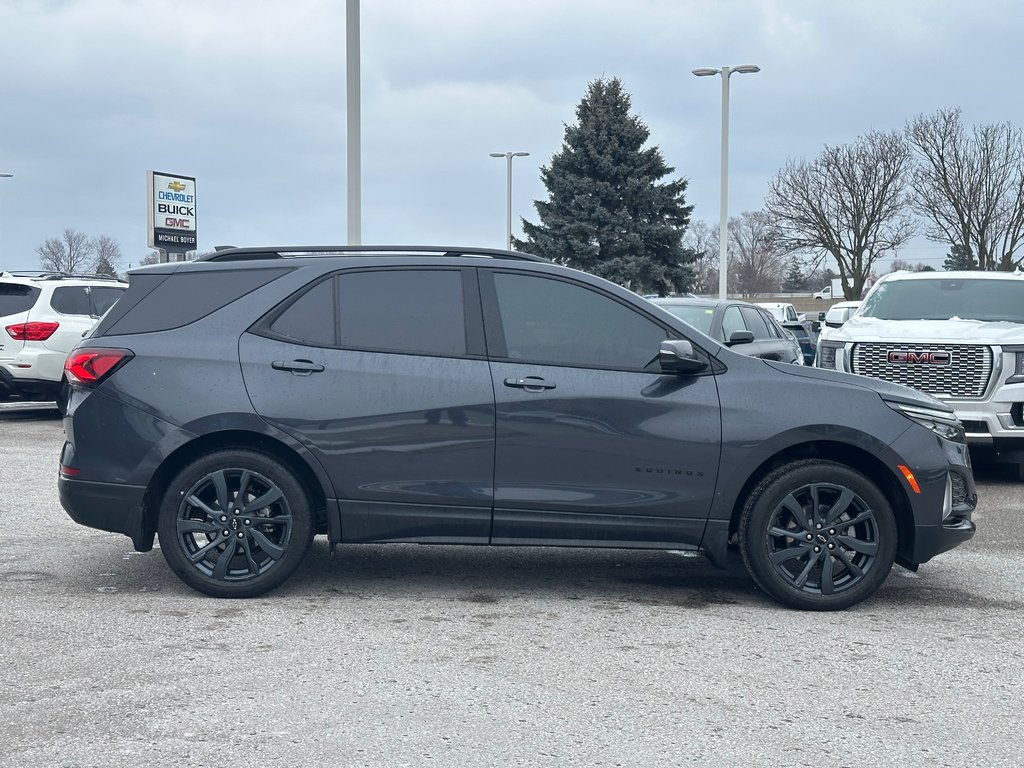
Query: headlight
x=1018 y=368
x=942 y=423
x=827 y=353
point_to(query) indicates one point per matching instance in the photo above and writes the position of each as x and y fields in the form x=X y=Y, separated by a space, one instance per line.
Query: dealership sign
x=172 y=212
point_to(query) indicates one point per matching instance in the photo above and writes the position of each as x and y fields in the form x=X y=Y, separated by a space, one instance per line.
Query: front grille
x=965 y=376
x=976 y=427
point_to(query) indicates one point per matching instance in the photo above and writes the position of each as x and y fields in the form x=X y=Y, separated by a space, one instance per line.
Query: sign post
x=172 y=214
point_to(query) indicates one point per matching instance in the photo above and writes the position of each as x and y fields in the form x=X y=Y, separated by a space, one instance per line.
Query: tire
x=852 y=532
x=227 y=551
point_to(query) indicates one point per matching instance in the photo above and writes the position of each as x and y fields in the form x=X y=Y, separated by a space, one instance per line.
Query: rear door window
x=413 y=311
x=70 y=300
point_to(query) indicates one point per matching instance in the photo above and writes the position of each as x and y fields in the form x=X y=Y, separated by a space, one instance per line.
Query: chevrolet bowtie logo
x=177 y=186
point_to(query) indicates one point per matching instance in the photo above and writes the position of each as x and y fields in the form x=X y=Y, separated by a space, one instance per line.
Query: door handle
x=529 y=383
x=298 y=367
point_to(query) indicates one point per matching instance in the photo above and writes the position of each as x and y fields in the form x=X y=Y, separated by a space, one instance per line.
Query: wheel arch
x=239 y=440
x=865 y=462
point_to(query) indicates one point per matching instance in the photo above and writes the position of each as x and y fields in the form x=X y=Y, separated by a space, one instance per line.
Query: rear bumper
x=107 y=506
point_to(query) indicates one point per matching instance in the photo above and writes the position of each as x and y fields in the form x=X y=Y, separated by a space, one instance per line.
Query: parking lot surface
x=405 y=655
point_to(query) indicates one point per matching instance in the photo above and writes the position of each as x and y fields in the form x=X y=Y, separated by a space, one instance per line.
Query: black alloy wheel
x=818 y=535
x=235 y=524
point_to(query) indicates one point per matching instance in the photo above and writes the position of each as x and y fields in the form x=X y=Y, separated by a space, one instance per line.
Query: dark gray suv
x=238 y=405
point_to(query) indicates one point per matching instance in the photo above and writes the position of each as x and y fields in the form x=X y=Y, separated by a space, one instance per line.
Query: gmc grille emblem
x=917 y=358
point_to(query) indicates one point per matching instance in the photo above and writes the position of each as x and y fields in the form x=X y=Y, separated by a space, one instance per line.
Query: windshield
x=968 y=299
x=698 y=317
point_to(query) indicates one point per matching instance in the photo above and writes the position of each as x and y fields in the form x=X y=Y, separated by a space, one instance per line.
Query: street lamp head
x=6 y=175
x=497 y=154
x=746 y=69
x=705 y=71
x=520 y=154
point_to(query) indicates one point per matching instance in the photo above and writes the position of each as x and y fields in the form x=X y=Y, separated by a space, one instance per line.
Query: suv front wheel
x=817 y=535
x=235 y=523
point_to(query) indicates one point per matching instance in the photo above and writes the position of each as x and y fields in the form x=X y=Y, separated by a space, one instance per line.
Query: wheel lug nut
x=831 y=546
x=223 y=518
x=831 y=531
x=240 y=534
x=248 y=521
x=818 y=526
x=817 y=549
x=227 y=532
x=809 y=537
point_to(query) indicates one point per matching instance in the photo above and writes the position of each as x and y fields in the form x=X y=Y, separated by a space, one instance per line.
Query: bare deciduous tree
x=850 y=202
x=970 y=187
x=702 y=239
x=108 y=255
x=757 y=260
x=69 y=253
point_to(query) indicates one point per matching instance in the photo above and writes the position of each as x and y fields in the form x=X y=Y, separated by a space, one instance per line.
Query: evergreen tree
x=607 y=212
x=959 y=257
x=795 y=279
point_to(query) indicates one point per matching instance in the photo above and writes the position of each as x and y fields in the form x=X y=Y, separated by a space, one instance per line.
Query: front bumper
x=107 y=506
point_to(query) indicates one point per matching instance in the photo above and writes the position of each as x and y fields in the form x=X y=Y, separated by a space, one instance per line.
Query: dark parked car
x=806 y=337
x=238 y=405
x=745 y=327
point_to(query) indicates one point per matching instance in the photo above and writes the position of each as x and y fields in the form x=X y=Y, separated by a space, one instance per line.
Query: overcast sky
x=249 y=98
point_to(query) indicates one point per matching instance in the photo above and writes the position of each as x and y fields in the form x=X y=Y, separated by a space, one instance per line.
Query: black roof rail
x=293 y=252
x=39 y=274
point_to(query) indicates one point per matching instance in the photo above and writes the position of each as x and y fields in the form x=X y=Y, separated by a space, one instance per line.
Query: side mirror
x=816 y=326
x=740 y=337
x=677 y=356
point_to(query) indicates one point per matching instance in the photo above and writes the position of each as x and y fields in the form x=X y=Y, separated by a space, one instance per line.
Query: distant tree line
x=610 y=210
x=75 y=253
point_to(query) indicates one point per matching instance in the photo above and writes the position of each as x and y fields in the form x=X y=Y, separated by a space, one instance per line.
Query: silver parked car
x=744 y=327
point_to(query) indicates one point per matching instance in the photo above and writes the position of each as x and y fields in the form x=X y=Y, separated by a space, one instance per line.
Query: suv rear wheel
x=235 y=523
x=817 y=535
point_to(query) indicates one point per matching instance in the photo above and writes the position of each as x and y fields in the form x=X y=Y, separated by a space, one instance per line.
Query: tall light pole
x=508 y=227
x=723 y=241
x=352 y=121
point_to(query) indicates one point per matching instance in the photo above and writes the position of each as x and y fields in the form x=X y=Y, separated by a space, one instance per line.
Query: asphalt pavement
x=405 y=655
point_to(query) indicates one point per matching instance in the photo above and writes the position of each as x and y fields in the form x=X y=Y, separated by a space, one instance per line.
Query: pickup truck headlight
x=827 y=353
x=1018 y=368
x=942 y=423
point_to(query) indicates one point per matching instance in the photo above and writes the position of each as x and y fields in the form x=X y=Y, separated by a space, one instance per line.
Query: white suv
x=42 y=316
x=956 y=335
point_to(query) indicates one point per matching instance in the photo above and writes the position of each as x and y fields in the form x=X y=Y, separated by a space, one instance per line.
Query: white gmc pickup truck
x=956 y=335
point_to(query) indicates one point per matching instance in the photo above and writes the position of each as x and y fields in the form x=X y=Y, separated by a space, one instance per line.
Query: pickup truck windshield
x=985 y=300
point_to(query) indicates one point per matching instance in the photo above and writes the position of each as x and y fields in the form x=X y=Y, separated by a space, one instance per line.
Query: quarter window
x=561 y=323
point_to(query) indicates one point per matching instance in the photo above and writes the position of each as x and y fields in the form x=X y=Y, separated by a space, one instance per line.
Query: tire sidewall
x=760 y=508
x=294 y=493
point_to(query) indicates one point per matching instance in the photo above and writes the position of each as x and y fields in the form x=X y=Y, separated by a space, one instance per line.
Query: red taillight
x=88 y=367
x=32 y=331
